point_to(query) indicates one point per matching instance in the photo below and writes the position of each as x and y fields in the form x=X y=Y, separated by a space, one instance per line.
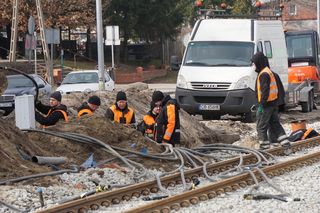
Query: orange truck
x=303 y=63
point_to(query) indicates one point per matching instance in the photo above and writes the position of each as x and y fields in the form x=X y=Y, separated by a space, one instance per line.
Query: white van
x=216 y=78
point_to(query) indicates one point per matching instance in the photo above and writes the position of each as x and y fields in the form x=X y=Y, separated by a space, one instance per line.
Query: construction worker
x=149 y=120
x=53 y=113
x=267 y=112
x=89 y=107
x=120 y=112
x=167 y=127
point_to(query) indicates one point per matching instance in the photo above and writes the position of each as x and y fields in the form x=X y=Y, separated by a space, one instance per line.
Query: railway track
x=109 y=198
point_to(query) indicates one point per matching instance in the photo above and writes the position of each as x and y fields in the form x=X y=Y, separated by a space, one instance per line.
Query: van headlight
x=181 y=82
x=243 y=83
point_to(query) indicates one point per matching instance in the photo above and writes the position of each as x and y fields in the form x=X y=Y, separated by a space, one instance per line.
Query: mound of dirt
x=12 y=139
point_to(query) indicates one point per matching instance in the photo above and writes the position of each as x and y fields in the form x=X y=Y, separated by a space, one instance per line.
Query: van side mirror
x=41 y=86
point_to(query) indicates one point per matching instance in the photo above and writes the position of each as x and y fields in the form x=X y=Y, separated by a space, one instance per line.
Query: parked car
x=84 y=81
x=21 y=85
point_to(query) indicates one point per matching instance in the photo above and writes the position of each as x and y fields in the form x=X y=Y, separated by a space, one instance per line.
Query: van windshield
x=219 y=53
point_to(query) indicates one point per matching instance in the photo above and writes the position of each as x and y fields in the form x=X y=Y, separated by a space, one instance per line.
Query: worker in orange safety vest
x=120 y=112
x=89 y=107
x=267 y=95
x=53 y=113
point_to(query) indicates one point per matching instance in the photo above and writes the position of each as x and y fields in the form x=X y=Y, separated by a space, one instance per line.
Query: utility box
x=24 y=111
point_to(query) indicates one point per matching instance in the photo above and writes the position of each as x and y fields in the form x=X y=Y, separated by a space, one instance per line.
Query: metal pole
x=51 y=66
x=100 y=45
x=35 y=53
x=62 y=53
x=318 y=16
x=112 y=56
x=112 y=51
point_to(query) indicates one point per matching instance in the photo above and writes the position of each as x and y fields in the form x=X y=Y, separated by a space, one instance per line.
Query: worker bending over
x=167 y=127
x=52 y=113
x=149 y=120
x=89 y=107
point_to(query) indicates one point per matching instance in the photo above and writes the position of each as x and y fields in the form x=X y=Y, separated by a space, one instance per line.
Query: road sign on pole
x=112 y=33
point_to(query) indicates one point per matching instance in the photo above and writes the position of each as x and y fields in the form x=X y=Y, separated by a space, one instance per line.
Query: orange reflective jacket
x=83 y=112
x=273 y=89
x=119 y=114
x=149 y=121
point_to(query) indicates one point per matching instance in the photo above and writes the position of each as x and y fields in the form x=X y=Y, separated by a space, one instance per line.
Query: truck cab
x=216 y=76
x=303 y=61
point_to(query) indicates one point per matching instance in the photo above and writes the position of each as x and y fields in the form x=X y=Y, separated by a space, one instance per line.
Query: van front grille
x=210 y=86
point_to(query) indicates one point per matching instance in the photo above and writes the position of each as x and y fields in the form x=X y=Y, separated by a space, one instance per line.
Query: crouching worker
x=267 y=113
x=167 y=127
x=149 y=120
x=52 y=113
x=89 y=107
x=120 y=112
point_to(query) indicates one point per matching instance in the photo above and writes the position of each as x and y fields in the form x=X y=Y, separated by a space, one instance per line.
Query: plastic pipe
x=49 y=160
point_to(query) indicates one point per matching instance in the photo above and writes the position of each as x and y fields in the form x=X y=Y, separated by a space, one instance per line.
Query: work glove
x=260 y=109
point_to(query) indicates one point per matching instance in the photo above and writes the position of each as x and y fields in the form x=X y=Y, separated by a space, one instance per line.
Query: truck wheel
x=249 y=117
x=210 y=117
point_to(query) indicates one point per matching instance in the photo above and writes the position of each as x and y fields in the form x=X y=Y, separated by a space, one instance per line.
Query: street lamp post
x=100 y=45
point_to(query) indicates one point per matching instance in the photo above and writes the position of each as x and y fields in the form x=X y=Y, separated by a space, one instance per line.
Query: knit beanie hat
x=94 y=100
x=157 y=96
x=56 y=95
x=121 y=96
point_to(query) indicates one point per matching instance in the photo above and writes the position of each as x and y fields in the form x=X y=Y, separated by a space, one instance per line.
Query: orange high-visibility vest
x=117 y=114
x=65 y=116
x=84 y=111
x=273 y=89
x=149 y=121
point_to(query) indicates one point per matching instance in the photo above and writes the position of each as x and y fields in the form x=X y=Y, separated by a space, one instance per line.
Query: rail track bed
x=106 y=199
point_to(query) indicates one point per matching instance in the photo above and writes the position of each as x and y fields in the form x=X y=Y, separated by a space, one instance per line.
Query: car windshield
x=299 y=46
x=219 y=53
x=19 y=82
x=81 y=78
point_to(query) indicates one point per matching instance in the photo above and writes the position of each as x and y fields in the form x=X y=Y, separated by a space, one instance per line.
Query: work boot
x=285 y=143
x=264 y=145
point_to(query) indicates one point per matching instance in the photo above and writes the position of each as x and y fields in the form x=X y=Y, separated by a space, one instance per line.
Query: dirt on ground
x=15 y=144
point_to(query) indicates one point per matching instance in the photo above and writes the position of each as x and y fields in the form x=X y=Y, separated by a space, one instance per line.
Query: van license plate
x=209 y=107
x=6 y=104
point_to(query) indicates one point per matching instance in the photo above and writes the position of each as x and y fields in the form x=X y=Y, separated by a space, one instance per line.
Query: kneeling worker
x=53 y=113
x=120 y=112
x=89 y=107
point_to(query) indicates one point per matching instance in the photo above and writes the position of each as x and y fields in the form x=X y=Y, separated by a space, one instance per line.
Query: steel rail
x=109 y=198
x=231 y=184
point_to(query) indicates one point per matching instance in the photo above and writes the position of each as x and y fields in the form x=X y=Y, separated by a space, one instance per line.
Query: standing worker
x=167 y=129
x=89 y=107
x=53 y=113
x=120 y=112
x=267 y=112
x=148 y=124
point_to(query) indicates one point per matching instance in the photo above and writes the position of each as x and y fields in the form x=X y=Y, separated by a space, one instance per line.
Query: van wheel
x=210 y=117
x=308 y=106
x=249 y=117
